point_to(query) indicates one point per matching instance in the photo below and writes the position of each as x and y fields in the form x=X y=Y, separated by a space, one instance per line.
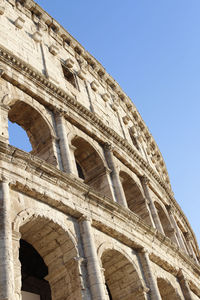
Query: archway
x=121 y=278
x=59 y=253
x=167 y=291
x=166 y=225
x=134 y=197
x=90 y=166
x=33 y=273
x=37 y=129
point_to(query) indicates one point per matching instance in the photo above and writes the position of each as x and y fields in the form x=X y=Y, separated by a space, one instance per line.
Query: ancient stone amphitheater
x=89 y=213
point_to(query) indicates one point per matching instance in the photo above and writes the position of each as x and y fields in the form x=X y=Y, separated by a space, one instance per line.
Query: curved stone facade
x=89 y=213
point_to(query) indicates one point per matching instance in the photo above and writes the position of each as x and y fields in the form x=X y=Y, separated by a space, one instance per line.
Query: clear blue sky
x=152 y=48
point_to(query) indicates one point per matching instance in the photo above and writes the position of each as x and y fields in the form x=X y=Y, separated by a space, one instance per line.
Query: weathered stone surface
x=93 y=197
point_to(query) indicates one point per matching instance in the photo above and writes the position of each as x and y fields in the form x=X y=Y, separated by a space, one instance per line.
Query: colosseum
x=89 y=213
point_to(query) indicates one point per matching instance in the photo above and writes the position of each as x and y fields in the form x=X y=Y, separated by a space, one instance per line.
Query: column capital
x=85 y=218
x=4 y=178
x=170 y=208
x=6 y=100
x=144 y=179
x=188 y=236
x=143 y=251
x=108 y=147
x=180 y=274
x=59 y=112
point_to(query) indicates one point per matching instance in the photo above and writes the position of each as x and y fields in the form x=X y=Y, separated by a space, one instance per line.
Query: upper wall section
x=38 y=40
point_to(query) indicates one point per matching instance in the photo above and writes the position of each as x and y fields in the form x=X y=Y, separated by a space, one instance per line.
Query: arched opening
x=36 y=128
x=90 y=166
x=168 y=229
x=121 y=278
x=33 y=273
x=18 y=137
x=56 y=252
x=135 y=199
x=182 y=235
x=167 y=291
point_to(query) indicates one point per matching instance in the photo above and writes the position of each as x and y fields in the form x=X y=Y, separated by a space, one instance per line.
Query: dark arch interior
x=134 y=197
x=36 y=128
x=33 y=271
x=168 y=230
x=90 y=166
x=121 y=278
x=80 y=171
x=109 y=293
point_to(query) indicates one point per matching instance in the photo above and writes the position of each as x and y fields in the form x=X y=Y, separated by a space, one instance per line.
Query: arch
x=165 y=222
x=28 y=214
x=58 y=250
x=182 y=232
x=121 y=277
x=134 y=197
x=37 y=127
x=92 y=166
x=167 y=291
x=33 y=272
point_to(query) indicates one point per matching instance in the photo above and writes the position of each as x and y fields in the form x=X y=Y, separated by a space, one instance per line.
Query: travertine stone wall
x=93 y=197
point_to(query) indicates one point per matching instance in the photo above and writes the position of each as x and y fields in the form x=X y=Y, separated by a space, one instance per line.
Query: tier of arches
x=88 y=161
x=51 y=267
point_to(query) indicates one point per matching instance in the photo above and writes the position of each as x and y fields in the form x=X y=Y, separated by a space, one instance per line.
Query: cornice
x=67 y=182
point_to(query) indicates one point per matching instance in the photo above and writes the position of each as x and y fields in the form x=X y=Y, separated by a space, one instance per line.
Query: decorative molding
x=106 y=97
x=82 y=74
x=69 y=63
x=53 y=49
x=94 y=85
x=19 y=23
x=37 y=36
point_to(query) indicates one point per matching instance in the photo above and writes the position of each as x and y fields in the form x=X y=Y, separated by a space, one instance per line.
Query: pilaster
x=96 y=282
x=16 y=263
x=177 y=232
x=154 y=214
x=4 y=135
x=148 y=274
x=6 y=255
x=116 y=183
x=184 y=286
x=63 y=143
x=189 y=239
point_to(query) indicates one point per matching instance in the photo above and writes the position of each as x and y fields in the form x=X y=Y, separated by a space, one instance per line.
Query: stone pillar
x=4 y=135
x=16 y=264
x=96 y=283
x=116 y=183
x=64 y=145
x=184 y=286
x=175 y=226
x=148 y=274
x=189 y=239
x=6 y=256
x=72 y=149
x=153 y=210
